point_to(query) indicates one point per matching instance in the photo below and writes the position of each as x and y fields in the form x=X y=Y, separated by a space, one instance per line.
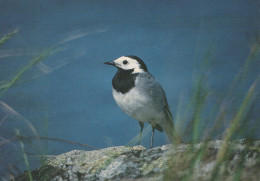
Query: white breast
x=129 y=101
x=135 y=104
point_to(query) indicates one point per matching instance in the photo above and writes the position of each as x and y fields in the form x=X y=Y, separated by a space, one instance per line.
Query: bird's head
x=129 y=63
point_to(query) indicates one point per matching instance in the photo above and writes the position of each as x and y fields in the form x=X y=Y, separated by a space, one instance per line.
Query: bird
x=142 y=97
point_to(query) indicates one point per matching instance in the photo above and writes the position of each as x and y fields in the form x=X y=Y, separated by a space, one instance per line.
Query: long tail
x=168 y=127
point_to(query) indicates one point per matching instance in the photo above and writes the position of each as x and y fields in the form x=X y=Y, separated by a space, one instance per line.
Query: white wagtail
x=141 y=96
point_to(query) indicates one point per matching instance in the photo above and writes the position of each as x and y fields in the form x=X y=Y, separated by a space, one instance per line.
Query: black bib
x=124 y=81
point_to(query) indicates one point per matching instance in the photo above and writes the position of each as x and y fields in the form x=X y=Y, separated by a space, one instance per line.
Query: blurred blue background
x=68 y=94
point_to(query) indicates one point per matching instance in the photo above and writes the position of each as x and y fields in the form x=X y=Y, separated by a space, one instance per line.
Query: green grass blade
x=25 y=157
x=8 y=36
x=8 y=85
x=223 y=151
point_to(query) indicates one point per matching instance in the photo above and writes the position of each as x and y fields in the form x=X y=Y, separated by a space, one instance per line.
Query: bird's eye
x=125 y=62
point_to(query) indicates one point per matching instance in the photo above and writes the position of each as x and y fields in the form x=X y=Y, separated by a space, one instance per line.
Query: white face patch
x=128 y=63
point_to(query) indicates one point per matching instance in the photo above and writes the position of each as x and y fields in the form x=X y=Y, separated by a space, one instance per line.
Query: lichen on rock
x=168 y=162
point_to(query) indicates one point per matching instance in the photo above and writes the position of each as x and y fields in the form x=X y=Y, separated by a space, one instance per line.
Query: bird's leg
x=153 y=128
x=141 y=130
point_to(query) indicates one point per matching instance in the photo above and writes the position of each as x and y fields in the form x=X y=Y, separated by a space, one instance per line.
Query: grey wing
x=168 y=112
x=159 y=100
x=155 y=90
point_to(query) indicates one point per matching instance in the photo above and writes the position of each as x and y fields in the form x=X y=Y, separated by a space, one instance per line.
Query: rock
x=186 y=161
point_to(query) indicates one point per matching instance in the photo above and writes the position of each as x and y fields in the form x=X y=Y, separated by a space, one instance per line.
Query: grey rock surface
x=186 y=161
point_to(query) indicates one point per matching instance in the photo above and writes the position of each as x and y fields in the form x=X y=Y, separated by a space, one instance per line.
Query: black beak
x=110 y=63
